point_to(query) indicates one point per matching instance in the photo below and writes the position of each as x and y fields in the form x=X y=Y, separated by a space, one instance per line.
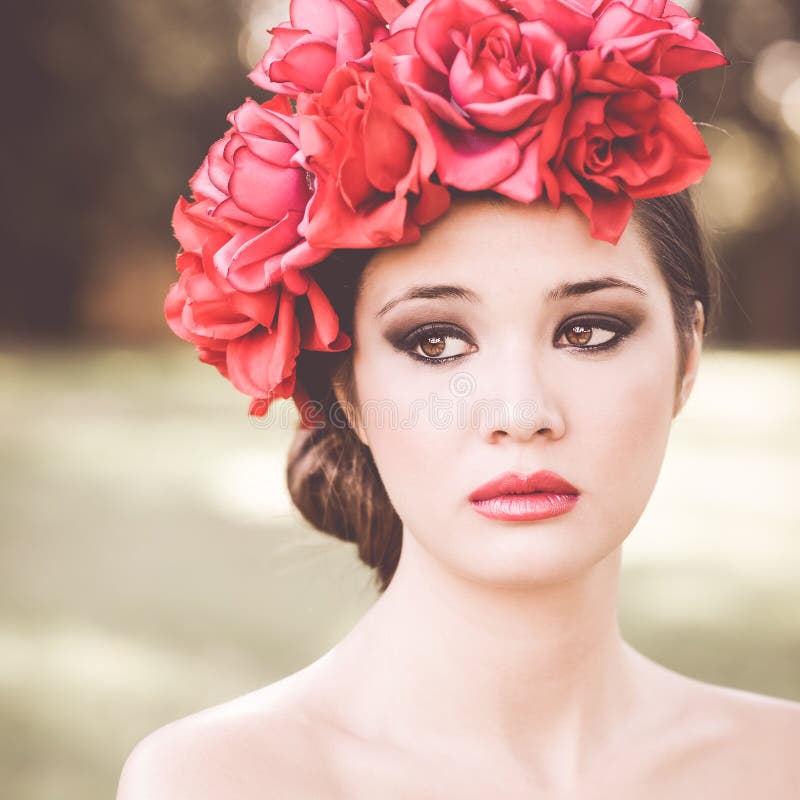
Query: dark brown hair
x=331 y=475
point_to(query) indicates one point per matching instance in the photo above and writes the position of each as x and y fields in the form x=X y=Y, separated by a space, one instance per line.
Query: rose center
x=497 y=48
x=599 y=153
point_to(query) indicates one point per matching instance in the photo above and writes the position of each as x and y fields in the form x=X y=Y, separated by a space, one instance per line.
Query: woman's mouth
x=514 y=496
x=521 y=507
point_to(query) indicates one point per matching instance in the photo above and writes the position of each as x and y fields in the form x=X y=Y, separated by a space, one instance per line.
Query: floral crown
x=379 y=106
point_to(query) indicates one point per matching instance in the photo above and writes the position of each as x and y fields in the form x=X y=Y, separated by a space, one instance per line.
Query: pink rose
x=202 y=308
x=656 y=36
x=500 y=71
x=373 y=157
x=257 y=191
x=319 y=37
x=252 y=338
x=486 y=79
x=192 y=224
x=391 y=9
x=570 y=19
x=621 y=140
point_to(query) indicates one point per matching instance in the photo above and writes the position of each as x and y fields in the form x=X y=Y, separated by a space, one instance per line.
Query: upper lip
x=519 y=483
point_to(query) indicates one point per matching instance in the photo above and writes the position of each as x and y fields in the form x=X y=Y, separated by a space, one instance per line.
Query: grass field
x=151 y=564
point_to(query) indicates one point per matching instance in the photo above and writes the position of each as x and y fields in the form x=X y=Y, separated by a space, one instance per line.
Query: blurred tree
x=755 y=172
x=110 y=106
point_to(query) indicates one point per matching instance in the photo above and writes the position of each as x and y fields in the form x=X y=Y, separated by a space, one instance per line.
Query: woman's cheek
x=626 y=438
x=405 y=427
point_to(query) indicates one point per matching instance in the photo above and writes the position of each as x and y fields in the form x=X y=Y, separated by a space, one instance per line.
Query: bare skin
x=289 y=740
x=493 y=665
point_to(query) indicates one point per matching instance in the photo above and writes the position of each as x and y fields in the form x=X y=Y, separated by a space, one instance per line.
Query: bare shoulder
x=742 y=743
x=755 y=720
x=734 y=743
x=758 y=740
x=262 y=744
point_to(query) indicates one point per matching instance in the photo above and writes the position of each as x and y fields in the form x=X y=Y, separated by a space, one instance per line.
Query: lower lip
x=524 y=507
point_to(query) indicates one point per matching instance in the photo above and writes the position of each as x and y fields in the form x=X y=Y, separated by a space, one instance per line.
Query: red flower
x=257 y=191
x=621 y=140
x=252 y=338
x=499 y=70
x=486 y=80
x=373 y=158
x=655 y=36
x=203 y=308
x=263 y=363
x=319 y=37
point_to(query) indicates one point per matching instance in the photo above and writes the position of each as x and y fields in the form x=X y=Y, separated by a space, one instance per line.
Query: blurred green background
x=150 y=561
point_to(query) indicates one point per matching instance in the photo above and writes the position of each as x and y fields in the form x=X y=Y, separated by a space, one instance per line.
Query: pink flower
x=252 y=338
x=202 y=308
x=391 y=9
x=656 y=36
x=255 y=188
x=500 y=71
x=621 y=140
x=570 y=19
x=373 y=158
x=263 y=363
x=486 y=80
x=319 y=37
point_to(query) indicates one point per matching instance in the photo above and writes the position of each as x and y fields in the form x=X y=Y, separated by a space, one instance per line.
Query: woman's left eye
x=582 y=334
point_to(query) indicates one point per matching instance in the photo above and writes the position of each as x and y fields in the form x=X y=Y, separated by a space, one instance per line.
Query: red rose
x=257 y=191
x=656 y=37
x=621 y=140
x=315 y=327
x=263 y=363
x=319 y=37
x=372 y=156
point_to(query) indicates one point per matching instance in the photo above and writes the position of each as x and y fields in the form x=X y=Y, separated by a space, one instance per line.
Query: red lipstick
x=516 y=497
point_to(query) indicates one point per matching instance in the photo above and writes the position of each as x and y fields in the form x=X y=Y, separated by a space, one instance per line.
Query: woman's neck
x=441 y=661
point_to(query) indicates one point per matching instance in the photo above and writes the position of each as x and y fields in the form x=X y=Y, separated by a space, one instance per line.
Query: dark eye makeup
x=434 y=331
x=591 y=324
x=578 y=333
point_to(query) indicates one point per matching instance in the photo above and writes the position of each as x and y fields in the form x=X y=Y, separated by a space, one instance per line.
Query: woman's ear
x=692 y=359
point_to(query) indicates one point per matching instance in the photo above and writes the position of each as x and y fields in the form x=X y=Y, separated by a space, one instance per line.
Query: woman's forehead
x=504 y=248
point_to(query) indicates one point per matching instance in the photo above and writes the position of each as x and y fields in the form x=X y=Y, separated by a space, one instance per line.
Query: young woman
x=485 y=406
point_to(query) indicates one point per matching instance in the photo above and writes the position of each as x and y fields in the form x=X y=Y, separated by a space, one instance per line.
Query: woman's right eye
x=433 y=344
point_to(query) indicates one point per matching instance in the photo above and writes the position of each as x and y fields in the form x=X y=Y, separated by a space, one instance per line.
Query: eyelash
x=410 y=342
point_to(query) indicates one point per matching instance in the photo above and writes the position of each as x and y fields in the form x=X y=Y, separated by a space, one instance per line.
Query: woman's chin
x=523 y=554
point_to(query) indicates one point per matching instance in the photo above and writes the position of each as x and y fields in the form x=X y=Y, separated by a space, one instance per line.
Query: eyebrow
x=595 y=285
x=431 y=292
x=560 y=292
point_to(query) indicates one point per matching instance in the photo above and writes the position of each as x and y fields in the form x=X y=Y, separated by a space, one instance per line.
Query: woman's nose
x=517 y=400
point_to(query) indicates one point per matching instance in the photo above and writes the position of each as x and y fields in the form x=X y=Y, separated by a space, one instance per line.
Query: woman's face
x=524 y=367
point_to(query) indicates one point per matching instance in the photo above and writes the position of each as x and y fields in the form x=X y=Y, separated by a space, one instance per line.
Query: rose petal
x=259 y=362
x=474 y=160
x=319 y=323
x=433 y=40
x=525 y=183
